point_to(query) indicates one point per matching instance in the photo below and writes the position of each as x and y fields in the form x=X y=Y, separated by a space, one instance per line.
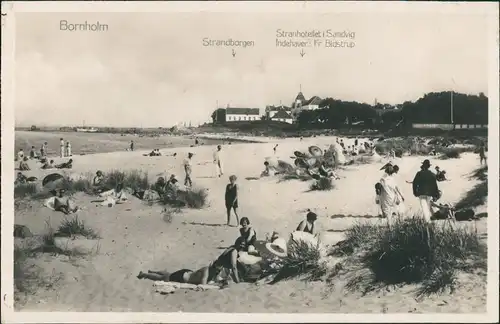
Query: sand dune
x=134 y=236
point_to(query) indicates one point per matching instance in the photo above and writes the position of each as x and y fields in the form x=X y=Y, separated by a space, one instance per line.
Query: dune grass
x=303 y=261
x=134 y=179
x=74 y=226
x=322 y=184
x=411 y=251
x=475 y=197
x=451 y=153
x=195 y=198
x=480 y=174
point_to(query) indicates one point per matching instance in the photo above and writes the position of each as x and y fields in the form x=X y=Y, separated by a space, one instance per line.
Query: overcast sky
x=150 y=69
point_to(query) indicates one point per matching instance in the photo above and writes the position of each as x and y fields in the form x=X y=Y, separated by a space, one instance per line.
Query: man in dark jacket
x=425 y=188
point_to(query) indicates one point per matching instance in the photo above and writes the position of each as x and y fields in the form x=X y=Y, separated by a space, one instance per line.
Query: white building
x=242 y=114
x=272 y=110
x=302 y=104
x=282 y=116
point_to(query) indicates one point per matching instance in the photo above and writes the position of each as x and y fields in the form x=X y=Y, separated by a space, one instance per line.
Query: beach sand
x=135 y=237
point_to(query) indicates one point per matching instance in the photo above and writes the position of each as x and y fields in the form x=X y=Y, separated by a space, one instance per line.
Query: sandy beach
x=135 y=237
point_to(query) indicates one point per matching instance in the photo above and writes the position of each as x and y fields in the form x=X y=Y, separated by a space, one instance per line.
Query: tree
x=219 y=115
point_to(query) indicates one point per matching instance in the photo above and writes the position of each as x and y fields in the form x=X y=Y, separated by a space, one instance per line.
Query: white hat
x=278 y=247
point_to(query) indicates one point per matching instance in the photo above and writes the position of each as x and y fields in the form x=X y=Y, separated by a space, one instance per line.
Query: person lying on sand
x=114 y=196
x=48 y=165
x=307 y=225
x=23 y=165
x=201 y=276
x=64 y=203
x=65 y=165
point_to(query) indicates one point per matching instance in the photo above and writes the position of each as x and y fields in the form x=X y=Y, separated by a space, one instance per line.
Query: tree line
x=432 y=108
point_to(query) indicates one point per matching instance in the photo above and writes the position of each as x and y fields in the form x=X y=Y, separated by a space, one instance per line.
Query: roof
x=300 y=97
x=278 y=108
x=281 y=114
x=313 y=101
x=242 y=111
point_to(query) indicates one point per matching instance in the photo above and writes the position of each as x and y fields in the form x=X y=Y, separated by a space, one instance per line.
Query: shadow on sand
x=252 y=178
x=204 y=224
x=353 y=216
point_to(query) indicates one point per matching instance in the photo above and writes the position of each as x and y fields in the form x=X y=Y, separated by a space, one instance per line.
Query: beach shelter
x=315 y=151
x=51 y=178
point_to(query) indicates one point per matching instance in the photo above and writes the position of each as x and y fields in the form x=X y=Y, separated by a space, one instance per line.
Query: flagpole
x=451 y=107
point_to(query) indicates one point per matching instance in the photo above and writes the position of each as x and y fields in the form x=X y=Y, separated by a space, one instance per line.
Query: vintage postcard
x=249 y=162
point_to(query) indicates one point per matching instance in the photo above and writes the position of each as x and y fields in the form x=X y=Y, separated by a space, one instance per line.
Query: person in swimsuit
x=65 y=165
x=23 y=165
x=201 y=276
x=48 y=165
x=231 y=199
x=307 y=225
x=63 y=203
x=248 y=237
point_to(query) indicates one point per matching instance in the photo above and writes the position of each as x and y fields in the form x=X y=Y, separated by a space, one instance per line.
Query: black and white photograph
x=263 y=161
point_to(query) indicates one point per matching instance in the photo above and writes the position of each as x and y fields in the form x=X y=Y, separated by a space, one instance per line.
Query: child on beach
x=231 y=199
x=482 y=154
x=188 y=169
x=218 y=161
x=307 y=225
x=248 y=237
x=61 y=148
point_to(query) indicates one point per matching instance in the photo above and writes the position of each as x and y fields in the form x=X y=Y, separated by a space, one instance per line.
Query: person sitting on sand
x=160 y=186
x=33 y=154
x=231 y=199
x=248 y=237
x=48 y=165
x=64 y=203
x=65 y=165
x=201 y=276
x=23 y=165
x=20 y=155
x=327 y=172
x=21 y=179
x=267 y=171
x=307 y=225
x=440 y=174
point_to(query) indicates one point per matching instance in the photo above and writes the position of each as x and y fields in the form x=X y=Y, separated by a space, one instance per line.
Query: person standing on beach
x=390 y=195
x=482 y=154
x=218 y=162
x=68 y=148
x=188 y=169
x=61 y=148
x=131 y=145
x=43 y=150
x=231 y=199
x=274 y=148
x=425 y=188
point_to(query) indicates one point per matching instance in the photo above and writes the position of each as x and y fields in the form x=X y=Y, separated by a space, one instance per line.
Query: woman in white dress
x=390 y=195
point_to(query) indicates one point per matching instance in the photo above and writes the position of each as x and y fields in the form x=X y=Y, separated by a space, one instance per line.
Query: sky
x=152 y=70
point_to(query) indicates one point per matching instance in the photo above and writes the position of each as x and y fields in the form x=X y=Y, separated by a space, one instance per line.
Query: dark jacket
x=425 y=184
